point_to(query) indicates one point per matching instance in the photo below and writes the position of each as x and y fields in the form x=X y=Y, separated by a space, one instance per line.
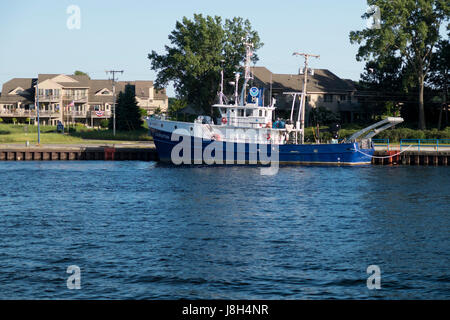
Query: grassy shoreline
x=21 y=133
x=394 y=135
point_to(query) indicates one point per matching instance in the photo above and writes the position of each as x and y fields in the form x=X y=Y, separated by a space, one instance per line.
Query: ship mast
x=248 y=76
x=221 y=95
x=303 y=98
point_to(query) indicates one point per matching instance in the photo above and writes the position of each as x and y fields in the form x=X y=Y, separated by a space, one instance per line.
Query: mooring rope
x=376 y=157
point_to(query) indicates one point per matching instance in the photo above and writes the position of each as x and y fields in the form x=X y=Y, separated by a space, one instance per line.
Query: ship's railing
x=425 y=144
x=251 y=135
x=247 y=122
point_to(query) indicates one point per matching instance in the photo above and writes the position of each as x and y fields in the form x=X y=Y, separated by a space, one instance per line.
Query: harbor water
x=144 y=230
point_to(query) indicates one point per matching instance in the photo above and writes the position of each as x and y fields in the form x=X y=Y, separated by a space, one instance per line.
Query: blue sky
x=119 y=34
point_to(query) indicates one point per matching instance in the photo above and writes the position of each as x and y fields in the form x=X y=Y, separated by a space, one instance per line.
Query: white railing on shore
x=29 y=114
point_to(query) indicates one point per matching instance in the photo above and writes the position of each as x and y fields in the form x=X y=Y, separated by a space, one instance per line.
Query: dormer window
x=17 y=91
x=104 y=92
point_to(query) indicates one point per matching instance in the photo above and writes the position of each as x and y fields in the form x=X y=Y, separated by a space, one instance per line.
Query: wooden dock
x=148 y=153
x=78 y=153
x=422 y=157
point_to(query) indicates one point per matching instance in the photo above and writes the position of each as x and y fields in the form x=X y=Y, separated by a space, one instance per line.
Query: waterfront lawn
x=20 y=133
x=104 y=134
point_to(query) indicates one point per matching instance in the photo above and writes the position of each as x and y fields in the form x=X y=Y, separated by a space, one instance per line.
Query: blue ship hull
x=325 y=154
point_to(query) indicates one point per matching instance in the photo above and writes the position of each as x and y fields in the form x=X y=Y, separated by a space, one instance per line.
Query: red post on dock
x=393 y=157
x=109 y=153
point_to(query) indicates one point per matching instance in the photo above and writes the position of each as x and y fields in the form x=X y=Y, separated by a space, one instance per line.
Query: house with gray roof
x=17 y=98
x=324 y=89
x=72 y=98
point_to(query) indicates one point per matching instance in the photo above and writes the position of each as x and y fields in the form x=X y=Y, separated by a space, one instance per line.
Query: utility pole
x=37 y=112
x=303 y=101
x=113 y=72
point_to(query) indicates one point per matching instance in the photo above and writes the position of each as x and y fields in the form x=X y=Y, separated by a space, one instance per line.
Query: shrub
x=104 y=123
x=395 y=135
x=143 y=112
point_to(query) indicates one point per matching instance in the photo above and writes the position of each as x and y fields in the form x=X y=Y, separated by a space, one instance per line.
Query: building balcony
x=49 y=98
x=51 y=114
x=28 y=114
x=78 y=114
x=76 y=99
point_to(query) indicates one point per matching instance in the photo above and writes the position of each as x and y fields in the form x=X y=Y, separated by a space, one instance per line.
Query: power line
x=113 y=72
x=303 y=103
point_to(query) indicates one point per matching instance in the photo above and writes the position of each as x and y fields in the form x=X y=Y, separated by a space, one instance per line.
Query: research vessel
x=246 y=132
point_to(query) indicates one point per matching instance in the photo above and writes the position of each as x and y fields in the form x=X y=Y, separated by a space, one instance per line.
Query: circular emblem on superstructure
x=254 y=91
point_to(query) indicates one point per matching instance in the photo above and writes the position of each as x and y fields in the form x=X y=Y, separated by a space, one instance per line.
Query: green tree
x=128 y=115
x=383 y=75
x=201 y=47
x=409 y=29
x=390 y=78
x=80 y=73
x=323 y=116
x=175 y=105
x=143 y=112
x=439 y=76
x=104 y=123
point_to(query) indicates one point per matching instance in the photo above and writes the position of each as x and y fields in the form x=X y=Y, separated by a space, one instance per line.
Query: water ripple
x=144 y=230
